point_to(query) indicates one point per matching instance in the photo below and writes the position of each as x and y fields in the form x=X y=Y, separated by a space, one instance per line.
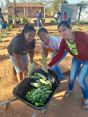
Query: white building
x=72 y=11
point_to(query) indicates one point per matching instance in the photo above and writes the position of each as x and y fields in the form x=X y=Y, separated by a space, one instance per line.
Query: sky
x=76 y=1
x=69 y=1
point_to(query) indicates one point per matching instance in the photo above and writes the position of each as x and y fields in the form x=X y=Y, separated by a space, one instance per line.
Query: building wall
x=25 y=11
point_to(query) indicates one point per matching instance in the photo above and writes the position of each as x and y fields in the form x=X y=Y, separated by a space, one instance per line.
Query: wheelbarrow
x=22 y=88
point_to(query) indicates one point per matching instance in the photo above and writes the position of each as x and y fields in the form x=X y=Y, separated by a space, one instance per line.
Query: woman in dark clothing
x=19 y=48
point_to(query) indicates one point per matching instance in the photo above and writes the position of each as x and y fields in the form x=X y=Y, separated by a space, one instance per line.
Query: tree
x=82 y=6
x=56 y=4
x=66 y=2
x=15 y=8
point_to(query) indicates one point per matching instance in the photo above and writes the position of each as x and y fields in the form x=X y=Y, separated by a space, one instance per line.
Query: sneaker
x=68 y=92
x=85 y=104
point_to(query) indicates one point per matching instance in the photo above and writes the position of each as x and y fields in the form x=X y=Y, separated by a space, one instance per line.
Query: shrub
x=80 y=22
x=24 y=21
x=43 y=21
x=53 y=22
x=83 y=22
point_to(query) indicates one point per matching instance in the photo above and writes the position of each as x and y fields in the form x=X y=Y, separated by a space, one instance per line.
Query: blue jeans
x=56 y=68
x=83 y=65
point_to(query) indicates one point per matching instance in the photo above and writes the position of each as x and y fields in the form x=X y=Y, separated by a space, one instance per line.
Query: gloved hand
x=45 y=68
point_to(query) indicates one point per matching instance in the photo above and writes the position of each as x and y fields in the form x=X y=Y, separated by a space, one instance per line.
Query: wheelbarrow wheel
x=6 y=105
x=34 y=115
x=44 y=111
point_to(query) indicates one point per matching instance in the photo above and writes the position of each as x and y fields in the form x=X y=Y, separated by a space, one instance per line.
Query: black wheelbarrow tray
x=22 y=88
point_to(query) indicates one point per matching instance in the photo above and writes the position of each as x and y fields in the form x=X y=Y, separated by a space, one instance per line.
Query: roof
x=26 y=4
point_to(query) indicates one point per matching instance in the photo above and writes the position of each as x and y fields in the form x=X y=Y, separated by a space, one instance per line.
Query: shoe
x=85 y=104
x=68 y=92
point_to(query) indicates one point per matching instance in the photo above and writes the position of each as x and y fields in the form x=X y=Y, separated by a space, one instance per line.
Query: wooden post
x=44 y=12
x=24 y=11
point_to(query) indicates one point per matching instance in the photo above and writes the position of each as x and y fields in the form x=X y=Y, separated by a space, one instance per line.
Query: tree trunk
x=80 y=10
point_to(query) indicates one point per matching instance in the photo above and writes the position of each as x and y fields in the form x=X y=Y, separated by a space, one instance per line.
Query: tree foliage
x=56 y=4
x=82 y=6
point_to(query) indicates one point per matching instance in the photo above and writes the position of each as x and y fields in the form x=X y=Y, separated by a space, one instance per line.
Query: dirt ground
x=59 y=106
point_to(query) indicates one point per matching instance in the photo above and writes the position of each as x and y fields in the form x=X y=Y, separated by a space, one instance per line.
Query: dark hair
x=42 y=29
x=27 y=28
x=64 y=23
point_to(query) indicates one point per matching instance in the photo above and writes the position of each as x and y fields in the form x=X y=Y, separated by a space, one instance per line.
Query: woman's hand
x=45 y=68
